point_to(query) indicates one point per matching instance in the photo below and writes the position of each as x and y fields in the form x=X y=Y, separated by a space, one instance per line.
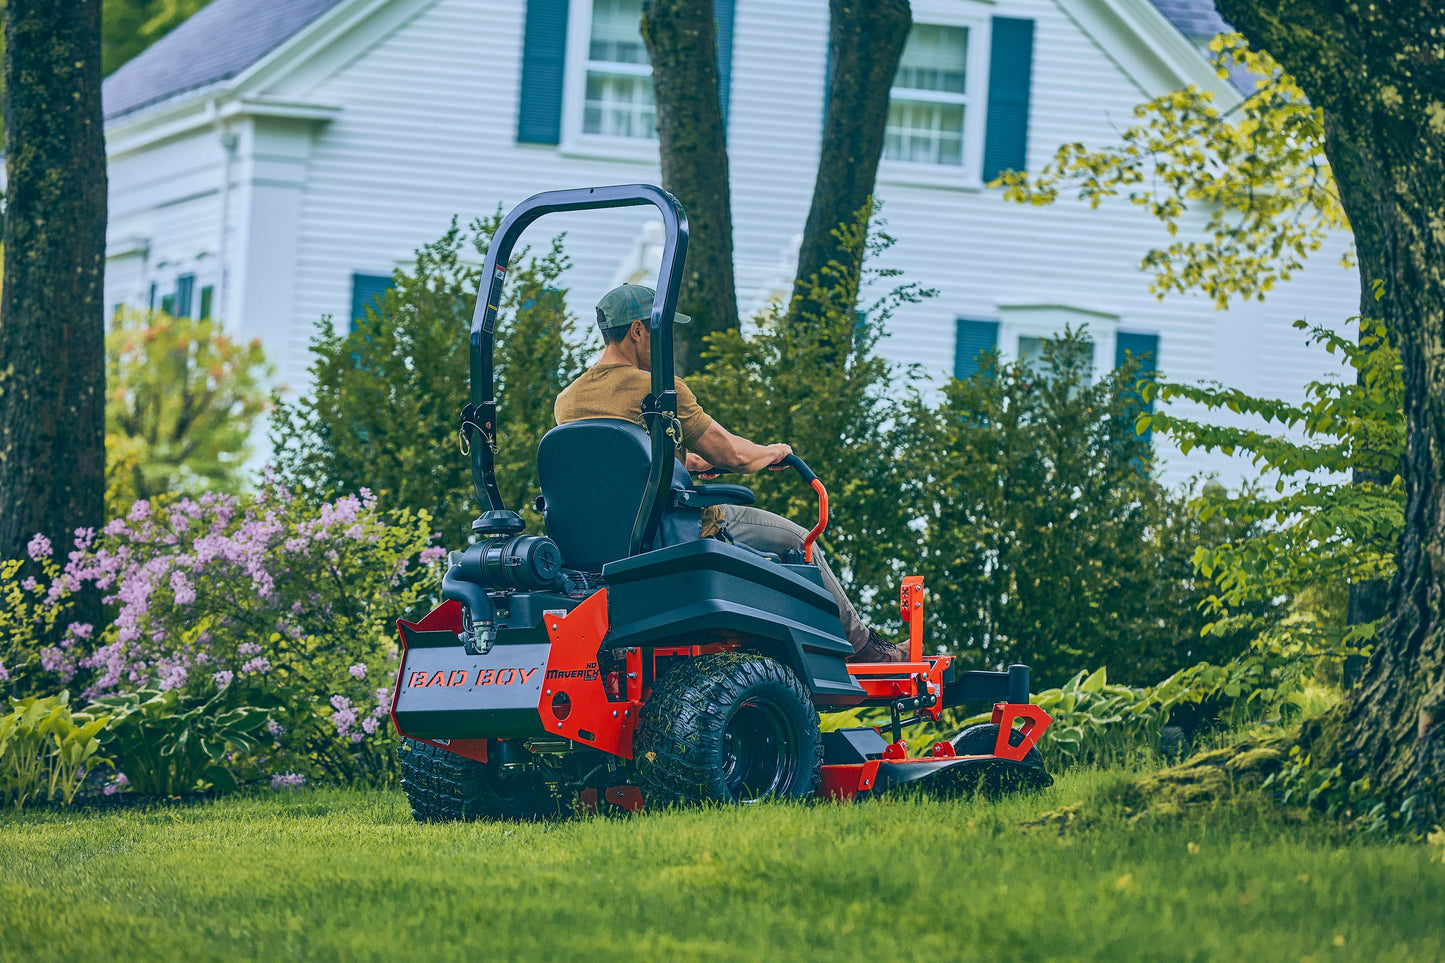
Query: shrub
x=45 y=749
x=167 y=744
x=384 y=408
x=1316 y=532
x=1046 y=540
x=182 y=398
x=273 y=600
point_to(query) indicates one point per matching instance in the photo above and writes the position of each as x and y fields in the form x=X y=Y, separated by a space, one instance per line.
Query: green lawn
x=347 y=875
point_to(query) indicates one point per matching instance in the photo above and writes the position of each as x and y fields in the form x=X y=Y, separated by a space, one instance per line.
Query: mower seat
x=594 y=474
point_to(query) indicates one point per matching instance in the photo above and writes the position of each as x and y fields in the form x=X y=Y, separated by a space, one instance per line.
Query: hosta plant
x=167 y=745
x=45 y=749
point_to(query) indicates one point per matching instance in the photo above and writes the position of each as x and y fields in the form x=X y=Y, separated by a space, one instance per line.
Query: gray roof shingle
x=1194 y=18
x=219 y=42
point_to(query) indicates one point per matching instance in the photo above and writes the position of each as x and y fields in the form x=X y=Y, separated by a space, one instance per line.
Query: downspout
x=229 y=141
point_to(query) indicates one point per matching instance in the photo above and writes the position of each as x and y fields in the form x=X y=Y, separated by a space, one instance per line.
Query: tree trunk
x=865 y=40
x=682 y=45
x=52 y=327
x=1377 y=72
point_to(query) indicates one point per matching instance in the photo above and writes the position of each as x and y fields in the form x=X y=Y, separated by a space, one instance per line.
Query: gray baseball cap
x=627 y=303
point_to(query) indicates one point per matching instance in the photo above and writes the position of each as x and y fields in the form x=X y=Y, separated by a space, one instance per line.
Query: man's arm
x=727 y=451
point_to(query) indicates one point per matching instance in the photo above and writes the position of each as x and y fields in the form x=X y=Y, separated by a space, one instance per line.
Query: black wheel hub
x=759 y=756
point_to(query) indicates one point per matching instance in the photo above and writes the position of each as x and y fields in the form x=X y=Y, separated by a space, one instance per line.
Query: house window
x=618 y=94
x=930 y=98
x=1080 y=354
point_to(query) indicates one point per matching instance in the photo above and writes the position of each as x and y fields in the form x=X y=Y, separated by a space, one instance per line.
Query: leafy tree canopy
x=1256 y=170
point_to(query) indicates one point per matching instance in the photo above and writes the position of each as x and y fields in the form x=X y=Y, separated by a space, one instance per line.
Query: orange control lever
x=801 y=467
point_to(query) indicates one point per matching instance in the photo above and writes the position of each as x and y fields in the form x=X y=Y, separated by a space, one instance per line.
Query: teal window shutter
x=722 y=14
x=185 y=289
x=1010 y=71
x=208 y=294
x=972 y=339
x=366 y=292
x=544 y=58
x=1145 y=350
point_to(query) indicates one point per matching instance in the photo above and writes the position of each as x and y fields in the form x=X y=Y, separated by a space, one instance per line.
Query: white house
x=271 y=161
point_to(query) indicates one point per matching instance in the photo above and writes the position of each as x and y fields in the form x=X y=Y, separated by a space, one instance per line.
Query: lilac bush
x=290 y=602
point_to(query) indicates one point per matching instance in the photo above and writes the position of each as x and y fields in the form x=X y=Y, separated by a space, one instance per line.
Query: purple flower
x=4 y=672
x=173 y=675
x=185 y=591
x=275 y=728
x=369 y=724
x=257 y=664
x=248 y=648
x=287 y=780
x=54 y=659
x=368 y=500
x=80 y=630
x=223 y=678
x=140 y=511
x=434 y=554
x=358 y=671
x=38 y=548
x=29 y=584
x=116 y=783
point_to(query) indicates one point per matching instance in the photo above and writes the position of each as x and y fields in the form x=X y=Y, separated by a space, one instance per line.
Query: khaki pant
x=767 y=532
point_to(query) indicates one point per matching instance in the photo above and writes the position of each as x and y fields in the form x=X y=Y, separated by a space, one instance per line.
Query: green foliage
x=821 y=388
x=1257 y=170
x=167 y=743
x=130 y=26
x=1315 y=532
x=27 y=622
x=383 y=412
x=45 y=749
x=1047 y=540
x=181 y=400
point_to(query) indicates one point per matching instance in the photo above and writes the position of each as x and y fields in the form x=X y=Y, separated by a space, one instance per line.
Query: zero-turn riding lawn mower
x=619 y=661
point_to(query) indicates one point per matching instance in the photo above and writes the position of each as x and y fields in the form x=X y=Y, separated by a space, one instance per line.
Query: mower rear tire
x=980 y=740
x=734 y=728
x=443 y=786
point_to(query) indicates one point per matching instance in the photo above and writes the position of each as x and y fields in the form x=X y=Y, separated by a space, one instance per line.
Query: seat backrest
x=593 y=474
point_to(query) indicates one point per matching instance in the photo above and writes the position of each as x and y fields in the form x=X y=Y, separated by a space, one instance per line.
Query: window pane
x=619 y=105
x=934 y=59
x=921 y=132
x=617 y=32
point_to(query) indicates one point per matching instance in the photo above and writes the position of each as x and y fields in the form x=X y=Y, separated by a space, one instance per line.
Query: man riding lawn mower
x=664 y=642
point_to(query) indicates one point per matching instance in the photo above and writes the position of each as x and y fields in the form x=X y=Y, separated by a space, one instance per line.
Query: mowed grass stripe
x=346 y=875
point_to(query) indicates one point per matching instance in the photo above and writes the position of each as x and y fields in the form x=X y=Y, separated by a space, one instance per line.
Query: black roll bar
x=482 y=412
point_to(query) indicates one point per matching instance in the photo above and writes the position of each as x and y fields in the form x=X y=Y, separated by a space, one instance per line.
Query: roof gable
x=216 y=44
